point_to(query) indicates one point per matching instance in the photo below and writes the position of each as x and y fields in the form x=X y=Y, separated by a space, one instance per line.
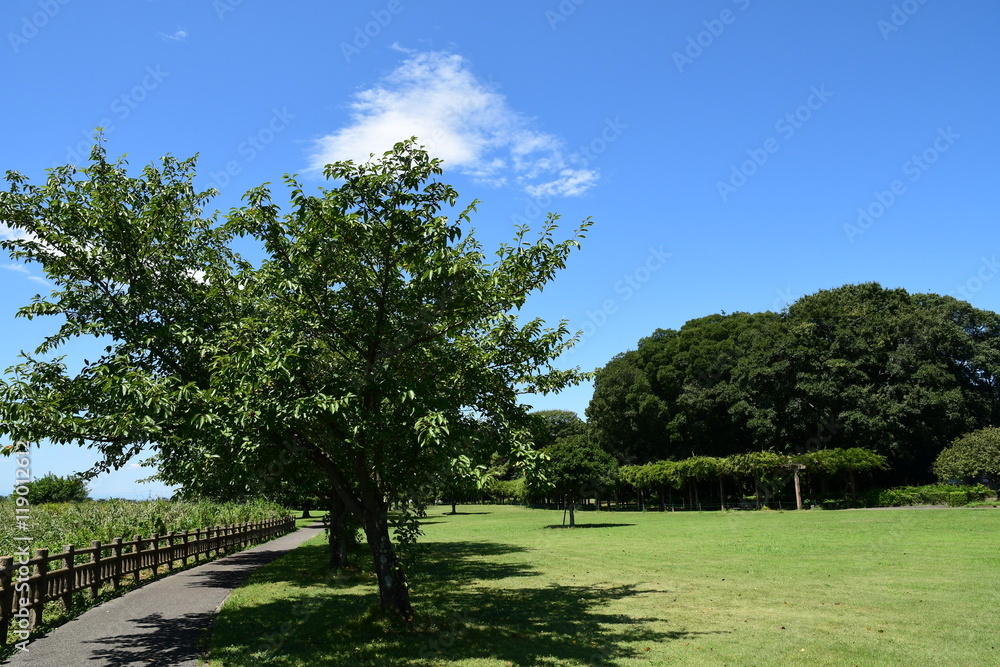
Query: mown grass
x=507 y=586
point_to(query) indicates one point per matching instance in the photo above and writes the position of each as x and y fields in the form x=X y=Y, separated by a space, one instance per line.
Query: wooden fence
x=26 y=585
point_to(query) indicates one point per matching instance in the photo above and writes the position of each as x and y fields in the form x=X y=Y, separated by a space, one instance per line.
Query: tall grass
x=52 y=526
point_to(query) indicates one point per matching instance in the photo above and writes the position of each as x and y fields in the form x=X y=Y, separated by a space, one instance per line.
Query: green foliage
x=548 y=426
x=578 y=468
x=509 y=489
x=972 y=457
x=373 y=328
x=837 y=461
x=890 y=372
x=932 y=494
x=54 y=489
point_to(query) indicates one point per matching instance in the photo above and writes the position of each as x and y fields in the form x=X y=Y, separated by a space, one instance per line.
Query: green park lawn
x=500 y=585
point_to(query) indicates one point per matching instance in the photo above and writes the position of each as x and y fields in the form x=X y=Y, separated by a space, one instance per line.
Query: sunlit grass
x=504 y=586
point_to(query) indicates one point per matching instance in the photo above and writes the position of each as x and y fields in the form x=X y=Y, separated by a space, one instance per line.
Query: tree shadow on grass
x=463 y=612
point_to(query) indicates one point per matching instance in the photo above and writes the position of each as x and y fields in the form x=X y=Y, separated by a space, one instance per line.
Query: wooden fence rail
x=26 y=585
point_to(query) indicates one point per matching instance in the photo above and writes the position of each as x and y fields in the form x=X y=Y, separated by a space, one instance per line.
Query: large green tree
x=858 y=366
x=373 y=325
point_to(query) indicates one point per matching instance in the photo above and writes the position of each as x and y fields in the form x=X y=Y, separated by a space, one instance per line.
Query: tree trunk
x=722 y=494
x=453 y=510
x=394 y=595
x=572 y=506
x=306 y=514
x=798 y=492
x=338 y=540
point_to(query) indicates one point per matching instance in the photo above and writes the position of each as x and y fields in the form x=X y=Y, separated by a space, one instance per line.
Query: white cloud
x=571 y=182
x=178 y=36
x=458 y=118
x=41 y=280
x=20 y=268
x=8 y=233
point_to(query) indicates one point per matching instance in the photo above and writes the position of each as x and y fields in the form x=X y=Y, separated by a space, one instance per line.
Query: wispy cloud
x=19 y=268
x=8 y=233
x=39 y=279
x=178 y=36
x=460 y=119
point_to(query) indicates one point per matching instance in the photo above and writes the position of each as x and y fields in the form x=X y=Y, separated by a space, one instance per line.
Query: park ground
x=508 y=586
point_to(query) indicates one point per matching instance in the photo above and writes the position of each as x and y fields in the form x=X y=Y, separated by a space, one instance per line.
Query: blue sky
x=734 y=154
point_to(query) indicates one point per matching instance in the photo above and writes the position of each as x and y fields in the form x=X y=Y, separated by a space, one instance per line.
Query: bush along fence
x=27 y=584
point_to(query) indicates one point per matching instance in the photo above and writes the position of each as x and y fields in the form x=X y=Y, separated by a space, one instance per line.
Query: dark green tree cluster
x=895 y=373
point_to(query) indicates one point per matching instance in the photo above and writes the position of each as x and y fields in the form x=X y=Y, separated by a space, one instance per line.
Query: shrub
x=54 y=489
x=932 y=494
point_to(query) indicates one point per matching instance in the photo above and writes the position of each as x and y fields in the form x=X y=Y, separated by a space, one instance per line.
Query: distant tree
x=972 y=457
x=548 y=426
x=54 y=489
x=891 y=372
x=577 y=468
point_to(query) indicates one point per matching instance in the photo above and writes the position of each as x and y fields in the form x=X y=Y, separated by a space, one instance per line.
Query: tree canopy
x=973 y=457
x=858 y=366
x=577 y=468
x=373 y=329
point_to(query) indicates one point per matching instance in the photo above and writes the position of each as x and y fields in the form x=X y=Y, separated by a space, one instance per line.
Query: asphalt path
x=160 y=623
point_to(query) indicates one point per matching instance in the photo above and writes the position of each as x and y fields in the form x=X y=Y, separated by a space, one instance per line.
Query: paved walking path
x=159 y=624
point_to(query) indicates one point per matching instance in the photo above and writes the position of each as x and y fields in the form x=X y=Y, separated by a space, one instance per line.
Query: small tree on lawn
x=578 y=468
x=971 y=458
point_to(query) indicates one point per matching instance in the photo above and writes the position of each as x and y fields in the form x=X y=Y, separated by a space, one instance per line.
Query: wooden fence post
x=137 y=565
x=66 y=577
x=95 y=572
x=40 y=588
x=170 y=551
x=116 y=553
x=156 y=553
